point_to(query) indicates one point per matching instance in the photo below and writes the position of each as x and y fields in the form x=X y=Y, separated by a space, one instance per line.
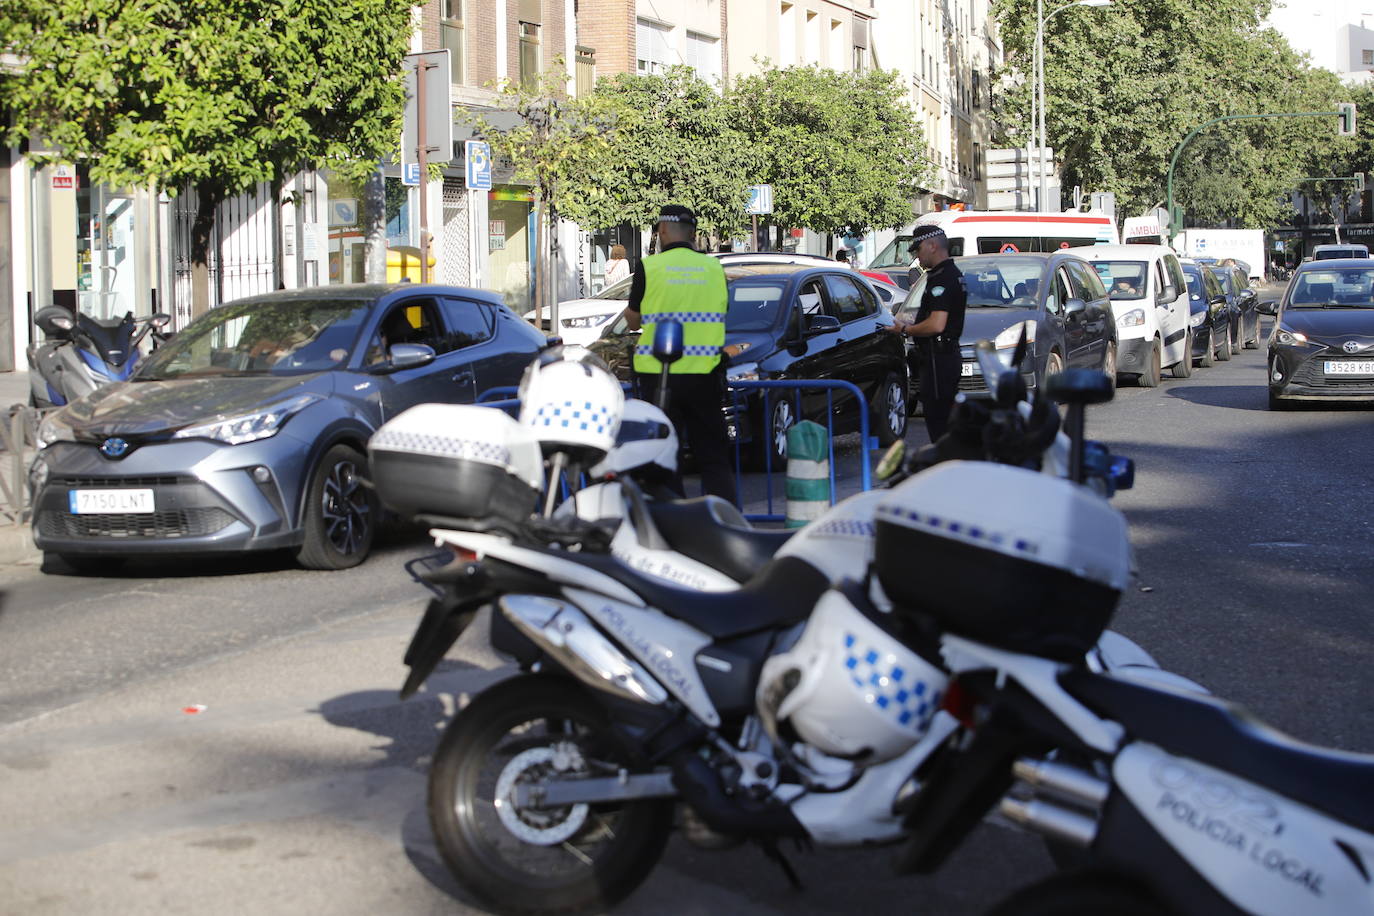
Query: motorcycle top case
x=1014 y=558
x=472 y=468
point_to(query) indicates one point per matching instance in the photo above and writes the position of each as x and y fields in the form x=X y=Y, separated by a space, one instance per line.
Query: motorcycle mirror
x=990 y=364
x=159 y=320
x=1018 y=355
x=891 y=460
x=55 y=321
x=668 y=346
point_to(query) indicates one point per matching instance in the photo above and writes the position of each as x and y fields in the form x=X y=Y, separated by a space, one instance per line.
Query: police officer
x=938 y=324
x=691 y=286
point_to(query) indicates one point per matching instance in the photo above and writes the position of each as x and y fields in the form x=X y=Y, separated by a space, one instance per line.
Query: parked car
x=1056 y=298
x=247 y=430
x=1241 y=300
x=1209 y=316
x=1330 y=252
x=581 y=321
x=1322 y=345
x=1149 y=297
x=799 y=322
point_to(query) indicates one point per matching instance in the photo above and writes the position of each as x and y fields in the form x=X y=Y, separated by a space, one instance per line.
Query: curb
x=16 y=545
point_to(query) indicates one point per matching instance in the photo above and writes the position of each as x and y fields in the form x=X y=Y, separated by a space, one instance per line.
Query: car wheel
x=1237 y=344
x=1109 y=363
x=91 y=566
x=340 y=517
x=1150 y=377
x=890 y=412
x=783 y=414
x=1225 y=350
x=1184 y=367
x=1054 y=364
x=1209 y=358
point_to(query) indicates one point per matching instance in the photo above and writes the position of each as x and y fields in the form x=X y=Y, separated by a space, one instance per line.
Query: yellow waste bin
x=403 y=263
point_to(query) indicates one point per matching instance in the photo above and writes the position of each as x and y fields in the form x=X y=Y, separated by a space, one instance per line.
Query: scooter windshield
x=290 y=337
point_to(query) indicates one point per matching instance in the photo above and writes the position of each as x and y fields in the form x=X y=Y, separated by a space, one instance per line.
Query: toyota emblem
x=1351 y=346
x=114 y=447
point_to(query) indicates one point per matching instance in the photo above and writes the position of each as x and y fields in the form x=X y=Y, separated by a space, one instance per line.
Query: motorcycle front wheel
x=538 y=860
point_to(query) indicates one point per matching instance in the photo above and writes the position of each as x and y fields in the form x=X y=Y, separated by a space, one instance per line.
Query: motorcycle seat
x=1226 y=736
x=781 y=594
x=711 y=530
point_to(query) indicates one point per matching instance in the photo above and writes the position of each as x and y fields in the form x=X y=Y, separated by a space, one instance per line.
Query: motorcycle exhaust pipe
x=1051 y=820
x=1066 y=783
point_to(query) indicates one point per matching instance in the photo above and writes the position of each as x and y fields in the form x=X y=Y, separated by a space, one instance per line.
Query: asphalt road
x=223 y=738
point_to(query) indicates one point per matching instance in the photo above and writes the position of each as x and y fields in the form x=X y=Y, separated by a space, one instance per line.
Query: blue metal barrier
x=739 y=401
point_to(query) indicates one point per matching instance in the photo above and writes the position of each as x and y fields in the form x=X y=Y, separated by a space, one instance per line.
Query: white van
x=991 y=232
x=1149 y=297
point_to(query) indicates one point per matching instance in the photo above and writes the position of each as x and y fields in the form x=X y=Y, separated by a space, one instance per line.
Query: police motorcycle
x=793 y=706
x=81 y=353
x=1165 y=799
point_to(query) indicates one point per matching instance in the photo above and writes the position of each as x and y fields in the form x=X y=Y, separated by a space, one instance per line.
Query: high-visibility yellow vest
x=689 y=287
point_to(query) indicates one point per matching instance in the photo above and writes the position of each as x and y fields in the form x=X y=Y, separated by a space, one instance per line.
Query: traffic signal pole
x=1346 y=113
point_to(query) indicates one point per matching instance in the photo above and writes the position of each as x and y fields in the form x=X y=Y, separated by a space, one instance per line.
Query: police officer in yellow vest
x=681 y=283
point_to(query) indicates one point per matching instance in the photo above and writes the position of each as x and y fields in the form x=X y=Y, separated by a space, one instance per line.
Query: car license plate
x=1349 y=367
x=969 y=369
x=108 y=502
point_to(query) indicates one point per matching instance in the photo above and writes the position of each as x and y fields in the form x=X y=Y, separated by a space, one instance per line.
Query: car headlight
x=1289 y=338
x=587 y=321
x=52 y=429
x=1132 y=319
x=1197 y=319
x=745 y=372
x=1011 y=336
x=249 y=427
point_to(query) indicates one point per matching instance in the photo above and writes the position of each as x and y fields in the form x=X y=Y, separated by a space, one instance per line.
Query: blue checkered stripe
x=582 y=415
x=890 y=687
x=688 y=317
x=845 y=527
x=686 y=351
x=447 y=446
x=943 y=525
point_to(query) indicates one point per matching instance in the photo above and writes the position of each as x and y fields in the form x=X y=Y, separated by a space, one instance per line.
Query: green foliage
x=215 y=93
x=677 y=143
x=841 y=150
x=1125 y=84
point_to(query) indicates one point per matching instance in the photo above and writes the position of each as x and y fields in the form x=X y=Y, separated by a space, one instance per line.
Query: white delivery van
x=1208 y=245
x=991 y=232
x=1149 y=297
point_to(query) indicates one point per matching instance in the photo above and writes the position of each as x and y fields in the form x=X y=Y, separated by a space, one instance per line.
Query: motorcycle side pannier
x=460 y=466
x=1005 y=556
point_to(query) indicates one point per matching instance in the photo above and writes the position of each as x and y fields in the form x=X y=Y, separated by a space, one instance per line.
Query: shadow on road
x=1236 y=397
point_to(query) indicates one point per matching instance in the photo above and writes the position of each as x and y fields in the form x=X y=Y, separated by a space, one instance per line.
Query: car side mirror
x=1074 y=306
x=406 y=356
x=1268 y=307
x=820 y=324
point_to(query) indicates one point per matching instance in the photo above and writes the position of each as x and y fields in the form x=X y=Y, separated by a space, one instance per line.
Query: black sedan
x=1241 y=301
x=1209 y=314
x=1057 y=299
x=798 y=322
x=1322 y=345
x=247 y=431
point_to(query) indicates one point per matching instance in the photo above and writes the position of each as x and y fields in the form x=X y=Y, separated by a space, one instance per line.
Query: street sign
x=410 y=174
x=438 y=113
x=343 y=211
x=760 y=199
x=478 y=156
x=63 y=178
x=1009 y=248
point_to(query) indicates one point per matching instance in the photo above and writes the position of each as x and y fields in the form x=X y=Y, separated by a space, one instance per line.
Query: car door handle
x=464 y=377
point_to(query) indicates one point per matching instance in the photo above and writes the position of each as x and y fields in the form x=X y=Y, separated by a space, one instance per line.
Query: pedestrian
x=691 y=286
x=937 y=327
x=617 y=267
x=845 y=257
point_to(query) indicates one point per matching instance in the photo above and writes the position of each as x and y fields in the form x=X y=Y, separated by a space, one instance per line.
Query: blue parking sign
x=479 y=165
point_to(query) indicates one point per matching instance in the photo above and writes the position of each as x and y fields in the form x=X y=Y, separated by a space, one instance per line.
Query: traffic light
x=1176 y=220
x=1346 y=128
x=1359 y=181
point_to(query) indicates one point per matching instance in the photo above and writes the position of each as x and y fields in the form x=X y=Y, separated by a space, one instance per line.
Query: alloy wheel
x=344 y=509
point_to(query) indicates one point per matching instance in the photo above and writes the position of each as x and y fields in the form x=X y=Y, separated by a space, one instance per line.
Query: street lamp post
x=1038 y=115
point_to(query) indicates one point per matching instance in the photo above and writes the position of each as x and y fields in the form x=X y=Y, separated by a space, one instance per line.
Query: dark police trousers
x=939 y=384
x=694 y=407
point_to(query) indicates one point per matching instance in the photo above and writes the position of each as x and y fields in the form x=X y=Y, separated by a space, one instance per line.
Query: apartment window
x=703 y=56
x=812 y=50
x=451 y=35
x=529 y=53
x=586 y=69
x=1367 y=57
x=651 y=48
x=836 y=49
x=787 y=35
x=977 y=89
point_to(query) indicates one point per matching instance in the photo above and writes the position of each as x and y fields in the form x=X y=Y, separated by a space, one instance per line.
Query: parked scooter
x=82 y=353
x=793 y=706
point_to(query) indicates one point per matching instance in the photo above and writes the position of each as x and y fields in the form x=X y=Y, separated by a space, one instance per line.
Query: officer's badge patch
x=937 y=290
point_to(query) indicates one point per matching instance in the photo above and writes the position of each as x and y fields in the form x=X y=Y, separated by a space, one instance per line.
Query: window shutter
x=530 y=12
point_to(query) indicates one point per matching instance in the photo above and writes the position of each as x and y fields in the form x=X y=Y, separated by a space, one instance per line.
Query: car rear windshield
x=283 y=337
x=1003 y=281
x=1327 y=254
x=754 y=303
x=1123 y=279
x=1347 y=288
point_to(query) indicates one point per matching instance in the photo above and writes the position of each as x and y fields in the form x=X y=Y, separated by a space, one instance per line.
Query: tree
x=677 y=143
x=551 y=143
x=215 y=95
x=842 y=151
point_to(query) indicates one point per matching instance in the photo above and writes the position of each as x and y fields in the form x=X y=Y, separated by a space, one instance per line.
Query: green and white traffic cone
x=808 y=473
